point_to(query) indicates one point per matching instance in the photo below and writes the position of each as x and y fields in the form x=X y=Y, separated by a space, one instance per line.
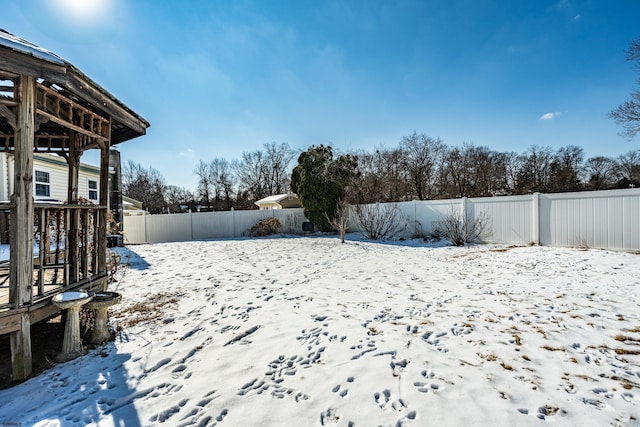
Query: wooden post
x=103 y=197
x=73 y=252
x=21 y=249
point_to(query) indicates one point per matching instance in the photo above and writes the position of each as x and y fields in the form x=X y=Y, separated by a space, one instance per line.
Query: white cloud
x=188 y=153
x=577 y=17
x=550 y=116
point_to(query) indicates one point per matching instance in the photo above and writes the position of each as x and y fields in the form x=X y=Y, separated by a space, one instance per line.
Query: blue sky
x=216 y=78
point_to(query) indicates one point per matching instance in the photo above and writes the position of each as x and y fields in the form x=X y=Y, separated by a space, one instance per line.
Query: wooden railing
x=68 y=246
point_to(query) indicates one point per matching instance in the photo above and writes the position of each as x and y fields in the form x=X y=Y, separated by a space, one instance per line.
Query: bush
x=459 y=231
x=265 y=227
x=378 y=221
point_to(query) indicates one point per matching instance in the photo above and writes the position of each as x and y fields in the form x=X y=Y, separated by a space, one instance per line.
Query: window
x=93 y=190
x=43 y=186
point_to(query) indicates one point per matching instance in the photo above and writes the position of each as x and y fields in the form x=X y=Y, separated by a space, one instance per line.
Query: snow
x=304 y=331
x=70 y=296
x=16 y=43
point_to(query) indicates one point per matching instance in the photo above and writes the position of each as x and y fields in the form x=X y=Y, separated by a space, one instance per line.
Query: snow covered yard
x=303 y=331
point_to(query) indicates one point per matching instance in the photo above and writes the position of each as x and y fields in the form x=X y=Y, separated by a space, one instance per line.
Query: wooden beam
x=88 y=90
x=68 y=125
x=18 y=63
x=21 y=249
x=9 y=115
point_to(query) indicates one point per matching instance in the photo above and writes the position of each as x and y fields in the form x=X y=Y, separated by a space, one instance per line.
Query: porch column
x=21 y=231
x=74 y=215
x=101 y=243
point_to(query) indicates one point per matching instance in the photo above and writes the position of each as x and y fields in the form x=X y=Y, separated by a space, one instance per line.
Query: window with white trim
x=43 y=184
x=93 y=190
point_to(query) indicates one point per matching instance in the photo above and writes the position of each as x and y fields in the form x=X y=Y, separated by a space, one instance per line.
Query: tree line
x=420 y=167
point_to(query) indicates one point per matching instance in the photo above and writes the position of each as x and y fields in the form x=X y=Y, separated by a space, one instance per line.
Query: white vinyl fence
x=204 y=225
x=597 y=219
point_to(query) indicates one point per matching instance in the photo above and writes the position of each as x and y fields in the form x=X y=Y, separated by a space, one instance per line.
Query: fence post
x=415 y=219
x=535 y=217
x=233 y=222
x=144 y=225
x=464 y=211
x=191 y=226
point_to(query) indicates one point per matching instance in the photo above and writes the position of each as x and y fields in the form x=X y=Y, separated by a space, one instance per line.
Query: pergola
x=49 y=106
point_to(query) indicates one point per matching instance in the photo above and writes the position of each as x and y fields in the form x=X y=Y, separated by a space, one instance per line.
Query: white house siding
x=4 y=177
x=58 y=176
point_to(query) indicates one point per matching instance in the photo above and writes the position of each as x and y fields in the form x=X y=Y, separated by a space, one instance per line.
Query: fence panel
x=134 y=229
x=508 y=218
x=211 y=225
x=598 y=219
x=429 y=212
x=168 y=228
x=291 y=219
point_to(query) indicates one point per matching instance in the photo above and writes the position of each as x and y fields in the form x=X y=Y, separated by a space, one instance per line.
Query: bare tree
x=601 y=172
x=420 y=154
x=340 y=220
x=483 y=170
x=277 y=171
x=382 y=177
x=535 y=173
x=250 y=171
x=566 y=169
x=630 y=169
x=264 y=173
x=627 y=114
x=507 y=167
x=202 y=171
x=222 y=182
x=145 y=185
x=179 y=199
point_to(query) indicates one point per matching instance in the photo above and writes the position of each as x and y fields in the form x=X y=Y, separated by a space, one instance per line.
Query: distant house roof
x=131 y=204
x=279 y=201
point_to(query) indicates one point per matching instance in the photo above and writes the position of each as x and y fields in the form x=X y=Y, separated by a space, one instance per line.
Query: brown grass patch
x=525 y=357
x=549 y=410
x=491 y=357
x=147 y=311
x=549 y=348
x=625 y=351
x=634 y=329
x=506 y=366
x=624 y=338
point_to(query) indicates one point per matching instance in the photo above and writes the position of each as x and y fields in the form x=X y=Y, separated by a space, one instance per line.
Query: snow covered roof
x=276 y=198
x=287 y=200
x=21 y=45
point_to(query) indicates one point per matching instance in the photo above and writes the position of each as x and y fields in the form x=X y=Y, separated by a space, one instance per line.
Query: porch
x=49 y=106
